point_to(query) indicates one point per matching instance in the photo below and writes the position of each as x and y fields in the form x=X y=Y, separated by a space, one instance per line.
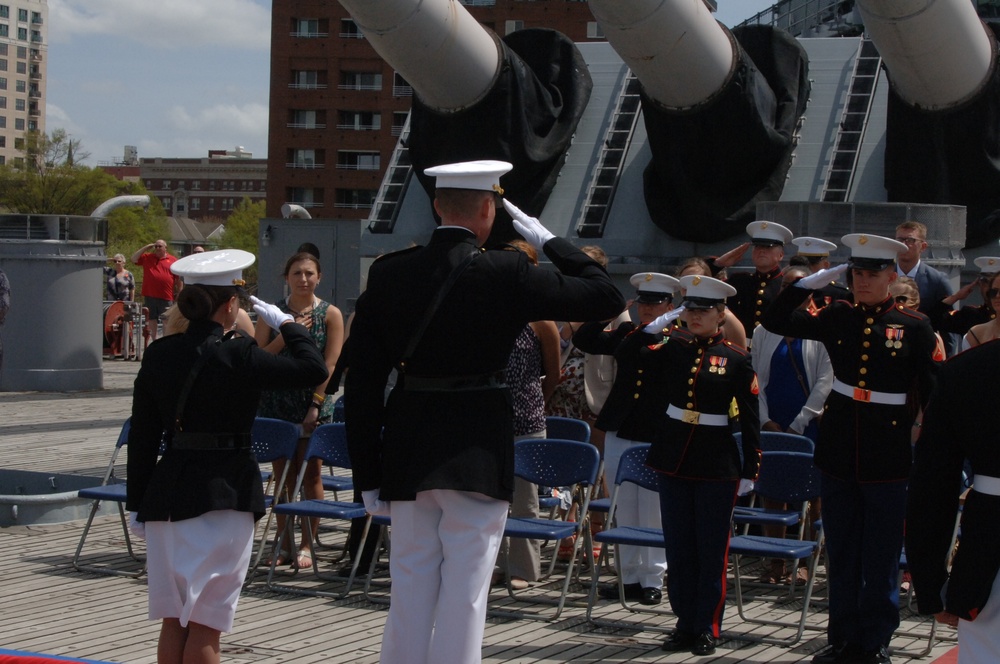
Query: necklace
x=304 y=312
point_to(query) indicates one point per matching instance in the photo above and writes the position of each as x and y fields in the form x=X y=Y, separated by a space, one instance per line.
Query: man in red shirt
x=158 y=282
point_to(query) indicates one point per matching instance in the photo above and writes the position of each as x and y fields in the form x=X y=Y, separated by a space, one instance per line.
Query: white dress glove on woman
x=745 y=487
x=270 y=314
x=663 y=321
x=137 y=528
x=822 y=278
x=373 y=505
x=530 y=228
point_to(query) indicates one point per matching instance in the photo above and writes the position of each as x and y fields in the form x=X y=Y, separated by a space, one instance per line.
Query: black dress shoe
x=633 y=591
x=679 y=641
x=704 y=645
x=838 y=653
x=878 y=656
x=650 y=596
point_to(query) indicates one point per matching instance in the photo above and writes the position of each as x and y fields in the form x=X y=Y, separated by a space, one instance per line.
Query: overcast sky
x=175 y=78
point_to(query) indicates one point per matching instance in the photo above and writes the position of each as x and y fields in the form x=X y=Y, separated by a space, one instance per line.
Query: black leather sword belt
x=188 y=440
x=470 y=383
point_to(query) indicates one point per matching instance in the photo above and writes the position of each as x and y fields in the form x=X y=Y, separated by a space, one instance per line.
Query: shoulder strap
x=205 y=351
x=433 y=307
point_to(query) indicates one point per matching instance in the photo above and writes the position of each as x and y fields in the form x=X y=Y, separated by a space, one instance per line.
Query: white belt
x=986 y=484
x=859 y=394
x=694 y=417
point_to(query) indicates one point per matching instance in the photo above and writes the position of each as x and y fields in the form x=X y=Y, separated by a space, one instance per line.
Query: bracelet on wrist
x=318 y=397
x=317 y=406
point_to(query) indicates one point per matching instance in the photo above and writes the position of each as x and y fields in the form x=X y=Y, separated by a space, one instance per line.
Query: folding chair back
x=788 y=477
x=632 y=468
x=329 y=443
x=110 y=490
x=776 y=441
x=567 y=428
x=271 y=440
x=553 y=462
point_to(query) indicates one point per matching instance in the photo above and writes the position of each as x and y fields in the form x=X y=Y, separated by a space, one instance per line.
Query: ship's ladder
x=385 y=210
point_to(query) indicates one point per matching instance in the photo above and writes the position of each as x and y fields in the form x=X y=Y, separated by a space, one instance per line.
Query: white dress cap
x=813 y=246
x=768 y=233
x=214 y=268
x=704 y=292
x=653 y=287
x=872 y=251
x=482 y=175
x=988 y=264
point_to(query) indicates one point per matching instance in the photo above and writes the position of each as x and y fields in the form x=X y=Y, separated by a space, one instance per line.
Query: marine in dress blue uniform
x=697 y=455
x=200 y=499
x=883 y=372
x=440 y=449
x=816 y=252
x=629 y=417
x=755 y=290
x=960 y=423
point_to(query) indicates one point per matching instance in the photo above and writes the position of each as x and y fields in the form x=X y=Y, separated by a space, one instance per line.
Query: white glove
x=822 y=278
x=745 y=487
x=270 y=314
x=373 y=505
x=137 y=528
x=530 y=228
x=663 y=321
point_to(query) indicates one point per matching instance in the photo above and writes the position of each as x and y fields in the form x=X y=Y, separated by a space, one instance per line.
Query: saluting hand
x=270 y=314
x=822 y=278
x=532 y=230
x=663 y=321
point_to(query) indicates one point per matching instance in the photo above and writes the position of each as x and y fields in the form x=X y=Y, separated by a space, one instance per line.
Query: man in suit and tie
x=440 y=449
x=932 y=284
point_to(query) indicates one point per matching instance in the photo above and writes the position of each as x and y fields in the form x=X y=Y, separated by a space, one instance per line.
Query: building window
x=512 y=26
x=263 y=185
x=359 y=80
x=3 y=102
x=349 y=29
x=18 y=143
x=195 y=185
x=22 y=34
x=36 y=36
x=166 y=184
x=180 y=184
x=4 y=30
x=3 y=121
x=4 y=11
x=306 y=119
x=308 y=79
x=305 y=196
x=22 y=52
x=3 y=49
x=594 y=30
x=149 y=184
x=195 y=204
x=211 y=185
x=19 y=105
x=400 y=88
x=355 y=198
x=22 y=15
x=21 y=86
x=3 y=83
x=305 y=158
x=398 y=122
x=211 y=204
x=3 y=65
x=3 y=141
x=36 y=18
x=19 y=124
x=32 y=125
x=22 y=67
x=359 y=120
x=3 y=160
x=310 y=27
x=358 y=160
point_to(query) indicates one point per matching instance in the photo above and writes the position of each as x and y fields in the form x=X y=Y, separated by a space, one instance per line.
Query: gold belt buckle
x=690 y=416
x=862 y=395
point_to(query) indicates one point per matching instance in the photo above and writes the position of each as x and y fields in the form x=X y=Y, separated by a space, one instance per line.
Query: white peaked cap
x=481 y=175
x=813 y=246
x=768 y=233
x=214 y=268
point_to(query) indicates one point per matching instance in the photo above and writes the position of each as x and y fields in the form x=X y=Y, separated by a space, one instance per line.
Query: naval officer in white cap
x=438 y=455
x=814 y=253
x=629 y=418
x=882 y=357
x=960 y=321
x=196 y=506
x=755 y=290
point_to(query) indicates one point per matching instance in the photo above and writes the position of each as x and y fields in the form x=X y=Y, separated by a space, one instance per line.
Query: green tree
x=241 y=233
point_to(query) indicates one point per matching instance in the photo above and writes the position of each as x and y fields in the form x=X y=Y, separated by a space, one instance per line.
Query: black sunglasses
x=993 y=292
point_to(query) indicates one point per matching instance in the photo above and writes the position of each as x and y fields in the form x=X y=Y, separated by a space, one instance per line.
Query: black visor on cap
x=766 y=242
x=876 y=264
x=700 y=303
x=652 y=297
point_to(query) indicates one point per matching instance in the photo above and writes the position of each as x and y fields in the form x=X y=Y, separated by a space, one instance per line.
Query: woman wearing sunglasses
x=990 y=330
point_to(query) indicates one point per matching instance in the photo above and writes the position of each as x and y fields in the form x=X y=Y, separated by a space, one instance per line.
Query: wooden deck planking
x=49 y=607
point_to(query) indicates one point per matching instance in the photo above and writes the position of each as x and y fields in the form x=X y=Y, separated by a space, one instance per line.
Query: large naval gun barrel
x=477 y=96
x=943 y=118
x=720 y=110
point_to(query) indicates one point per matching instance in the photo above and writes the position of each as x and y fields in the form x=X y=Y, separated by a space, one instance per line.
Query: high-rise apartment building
x=337 y=109
x=23 y=56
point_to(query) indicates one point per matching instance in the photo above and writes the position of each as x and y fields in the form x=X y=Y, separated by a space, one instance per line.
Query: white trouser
x=444 y=545
x=636 y=507
x=979 y=640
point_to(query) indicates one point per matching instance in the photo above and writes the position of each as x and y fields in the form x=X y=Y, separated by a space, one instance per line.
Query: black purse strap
x=433 y=307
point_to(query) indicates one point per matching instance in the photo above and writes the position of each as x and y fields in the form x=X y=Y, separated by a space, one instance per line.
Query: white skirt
x=197 y=567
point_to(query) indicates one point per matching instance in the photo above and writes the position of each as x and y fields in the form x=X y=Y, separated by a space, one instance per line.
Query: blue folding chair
x=632 y=468
x=562 y=428
x=549 y=462
x=111 y=489
x=271 y=440
x=329 y=443
x=788 y=477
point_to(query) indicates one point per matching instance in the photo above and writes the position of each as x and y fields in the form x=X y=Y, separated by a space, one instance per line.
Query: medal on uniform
x=718 y=364
x=893 y=337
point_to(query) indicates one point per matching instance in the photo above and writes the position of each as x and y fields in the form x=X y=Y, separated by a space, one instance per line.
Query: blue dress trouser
x=696 y=517
x=863 y=523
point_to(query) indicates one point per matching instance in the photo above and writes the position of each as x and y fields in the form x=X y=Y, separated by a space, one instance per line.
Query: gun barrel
x=938 y=52
x=447 y=57
x=677 y=50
